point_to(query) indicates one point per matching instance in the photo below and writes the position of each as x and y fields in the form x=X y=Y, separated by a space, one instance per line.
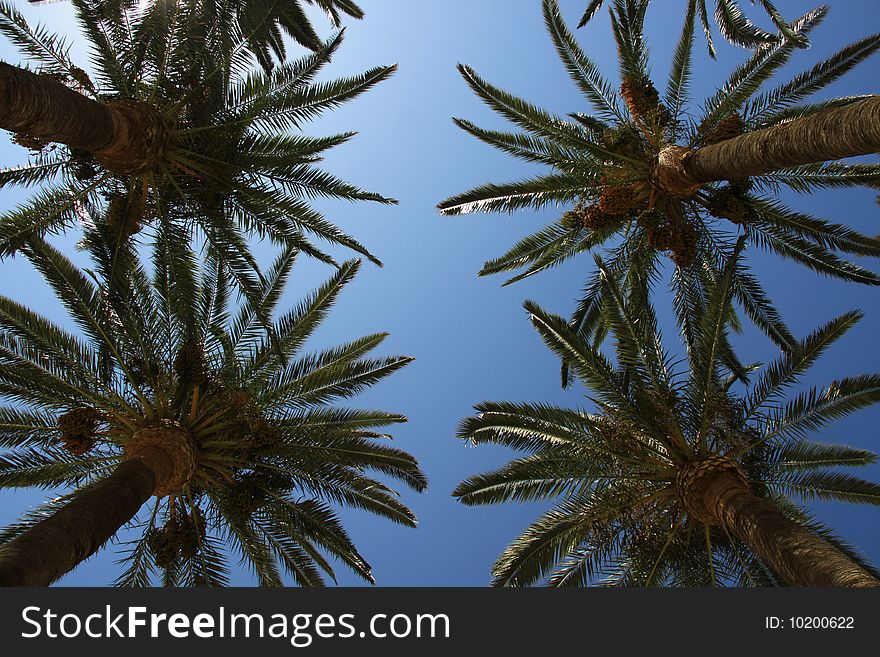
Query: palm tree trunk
x=798 y=556
x=829 y=135
x=158 y=460
x=55 y=546
x=126 y=135
x=41 y=107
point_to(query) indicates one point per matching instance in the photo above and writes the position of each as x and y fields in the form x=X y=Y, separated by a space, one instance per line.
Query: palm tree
x=676 y=478
x=174 y=394
x=175 y=132
x=627 y=169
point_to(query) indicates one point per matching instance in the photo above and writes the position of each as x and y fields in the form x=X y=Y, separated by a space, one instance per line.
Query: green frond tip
x=589 y=12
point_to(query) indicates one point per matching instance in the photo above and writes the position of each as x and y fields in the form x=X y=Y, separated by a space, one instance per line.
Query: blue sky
x=470 y=336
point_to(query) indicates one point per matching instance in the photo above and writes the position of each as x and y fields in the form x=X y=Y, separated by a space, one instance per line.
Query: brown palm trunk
x=41 y=107
x=126 y=135
x=56 y=545
x=830 y=135
x=158 y=460
x=798 y=556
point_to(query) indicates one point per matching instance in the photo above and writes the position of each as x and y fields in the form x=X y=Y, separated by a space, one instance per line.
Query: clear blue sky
x=470 y=337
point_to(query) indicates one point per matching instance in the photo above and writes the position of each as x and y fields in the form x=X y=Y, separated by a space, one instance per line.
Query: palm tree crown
x=627 y=512
x=222 y=161
x=269 y=452
x=608 y=165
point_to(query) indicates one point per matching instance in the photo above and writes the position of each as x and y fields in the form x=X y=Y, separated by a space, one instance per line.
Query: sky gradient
x=470 y=337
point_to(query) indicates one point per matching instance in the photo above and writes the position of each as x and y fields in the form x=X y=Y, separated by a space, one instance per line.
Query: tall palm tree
x=176 y=132
x=676 y=478
x=175 y=394
x=627 y=169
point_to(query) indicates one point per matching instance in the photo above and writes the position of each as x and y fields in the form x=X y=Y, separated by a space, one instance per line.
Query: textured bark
x=55 y=546
x=140 y=138
x=159 y=459
x=41 y=107
x=692 y=482
x=830 y=135
x=126 y=136
x=169 y=439
x=669 y=176
x=798 y=556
